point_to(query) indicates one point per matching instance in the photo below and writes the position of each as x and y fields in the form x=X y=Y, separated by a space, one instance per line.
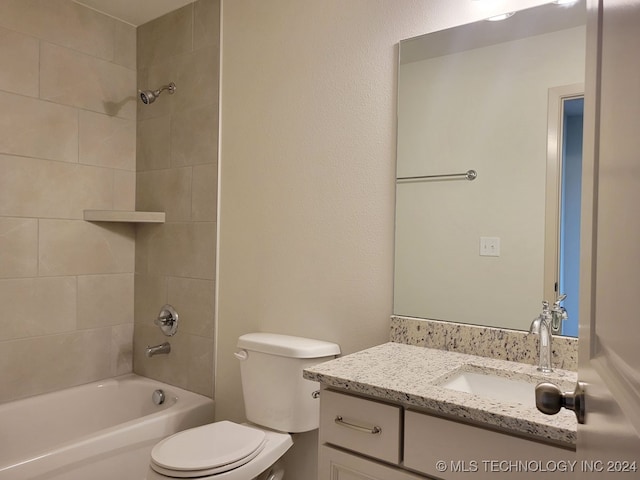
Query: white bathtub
x=102 y=430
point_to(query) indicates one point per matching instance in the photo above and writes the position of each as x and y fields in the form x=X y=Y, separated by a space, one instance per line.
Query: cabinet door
x=434 y=445
x=335 y=464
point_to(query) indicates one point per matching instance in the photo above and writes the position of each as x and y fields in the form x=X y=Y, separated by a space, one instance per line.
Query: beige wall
x=307 y=171
x=67 y=143
x=177 y=174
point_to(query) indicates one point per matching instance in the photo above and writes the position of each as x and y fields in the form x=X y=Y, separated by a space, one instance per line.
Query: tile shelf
x=123 y=216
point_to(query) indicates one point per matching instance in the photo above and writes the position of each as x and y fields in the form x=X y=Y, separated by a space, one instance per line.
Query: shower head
x=149 y=96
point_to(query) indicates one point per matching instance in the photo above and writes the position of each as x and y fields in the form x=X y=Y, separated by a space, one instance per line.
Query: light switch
x=489 y=246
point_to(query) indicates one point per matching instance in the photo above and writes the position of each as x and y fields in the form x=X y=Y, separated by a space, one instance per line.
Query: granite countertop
x=410 y=375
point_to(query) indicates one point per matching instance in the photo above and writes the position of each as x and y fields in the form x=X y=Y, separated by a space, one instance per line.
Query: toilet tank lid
x=287 y=345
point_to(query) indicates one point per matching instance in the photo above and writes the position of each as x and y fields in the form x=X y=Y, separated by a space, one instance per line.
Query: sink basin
x=493 y=386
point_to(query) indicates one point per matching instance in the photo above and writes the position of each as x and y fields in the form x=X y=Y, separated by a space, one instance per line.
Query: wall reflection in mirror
x=503 y=99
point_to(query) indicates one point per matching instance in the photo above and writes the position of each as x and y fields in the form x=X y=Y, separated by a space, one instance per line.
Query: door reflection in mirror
x=570 y=198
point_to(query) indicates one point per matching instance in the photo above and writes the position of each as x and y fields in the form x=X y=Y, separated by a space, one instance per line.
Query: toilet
x=278 y=401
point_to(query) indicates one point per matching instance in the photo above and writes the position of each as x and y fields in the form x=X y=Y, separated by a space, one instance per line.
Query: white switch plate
x=489 y=246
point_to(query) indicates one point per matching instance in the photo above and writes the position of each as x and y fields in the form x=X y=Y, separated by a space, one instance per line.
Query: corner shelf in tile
x=123 y=216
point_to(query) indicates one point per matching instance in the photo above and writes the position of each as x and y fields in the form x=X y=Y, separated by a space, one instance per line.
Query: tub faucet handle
x=167 y=320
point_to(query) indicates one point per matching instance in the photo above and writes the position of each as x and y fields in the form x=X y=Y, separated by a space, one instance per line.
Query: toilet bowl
x=277 y=401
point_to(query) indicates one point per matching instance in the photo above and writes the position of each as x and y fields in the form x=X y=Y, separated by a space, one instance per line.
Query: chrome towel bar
x=469 y=175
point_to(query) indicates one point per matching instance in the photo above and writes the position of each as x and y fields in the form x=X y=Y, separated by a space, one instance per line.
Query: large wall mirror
x=502 y=98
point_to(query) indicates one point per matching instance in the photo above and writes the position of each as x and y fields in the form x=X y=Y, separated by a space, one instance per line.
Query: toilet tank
x=275 y=394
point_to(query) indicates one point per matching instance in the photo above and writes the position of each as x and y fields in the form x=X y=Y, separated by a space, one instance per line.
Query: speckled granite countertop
x=410 y=375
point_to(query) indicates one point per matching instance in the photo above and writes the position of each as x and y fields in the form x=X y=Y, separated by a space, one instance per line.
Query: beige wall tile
x=37 y=306
x=144 y=233
x=206 y=23
x=44 y=188
x=205 y=193
x=183 y=250
x=200 y=366
x=105 y=300
x=151 y=295
x=121 y=349
x=198 y=73
x=194 y=136
x=19 y=56
x=154 y=143
x=18 y=247
x=75 y=247
x=52 y=362
x=194 y=301
x=76 y=79
x=124 y=190
x=40 y=129
x=165 y=37
x=125 y=45
x=63 y=22
x=195 y=75
x=41 y=45
x=167 y=190
x=107 y=141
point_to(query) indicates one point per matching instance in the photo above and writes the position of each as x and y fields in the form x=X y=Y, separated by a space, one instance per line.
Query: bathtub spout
x=163 y=348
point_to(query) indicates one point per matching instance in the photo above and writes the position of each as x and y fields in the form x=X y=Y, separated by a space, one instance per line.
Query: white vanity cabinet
x=365 y=439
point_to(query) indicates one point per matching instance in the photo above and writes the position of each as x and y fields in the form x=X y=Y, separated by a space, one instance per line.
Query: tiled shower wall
x=67 y=143
x=177 y=173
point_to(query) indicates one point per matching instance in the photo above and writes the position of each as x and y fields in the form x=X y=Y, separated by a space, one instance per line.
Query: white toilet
x=277 y=400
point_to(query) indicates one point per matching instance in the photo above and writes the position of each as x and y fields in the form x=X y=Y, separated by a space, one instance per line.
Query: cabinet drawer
x=366 y=426
x=435 y=445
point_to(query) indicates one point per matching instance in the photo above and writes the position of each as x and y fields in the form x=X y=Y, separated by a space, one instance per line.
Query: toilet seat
x=207 y=450
x=276 y=445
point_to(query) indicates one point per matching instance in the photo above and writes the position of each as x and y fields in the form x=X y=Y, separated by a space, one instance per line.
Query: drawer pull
x=375 y=430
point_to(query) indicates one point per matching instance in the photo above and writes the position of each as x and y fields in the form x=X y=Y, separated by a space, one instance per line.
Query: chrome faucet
x=541 y=326
x=163 y=348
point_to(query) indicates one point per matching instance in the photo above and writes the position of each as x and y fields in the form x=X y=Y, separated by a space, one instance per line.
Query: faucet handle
x=167 y=320
x=559 y=313
x=557 y=308
x=560 y=299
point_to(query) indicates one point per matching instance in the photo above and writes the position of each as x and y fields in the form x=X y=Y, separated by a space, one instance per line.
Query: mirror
x=484 y=97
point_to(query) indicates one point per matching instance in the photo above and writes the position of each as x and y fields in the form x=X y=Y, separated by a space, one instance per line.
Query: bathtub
x=102 y=430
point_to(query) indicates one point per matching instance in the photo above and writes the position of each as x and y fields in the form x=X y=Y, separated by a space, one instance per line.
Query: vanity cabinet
x=362 y=438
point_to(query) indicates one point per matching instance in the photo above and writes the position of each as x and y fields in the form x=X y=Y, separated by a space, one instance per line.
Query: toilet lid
x=212 y=448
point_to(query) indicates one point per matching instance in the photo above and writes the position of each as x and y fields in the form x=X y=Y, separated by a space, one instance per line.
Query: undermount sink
x=493 y=386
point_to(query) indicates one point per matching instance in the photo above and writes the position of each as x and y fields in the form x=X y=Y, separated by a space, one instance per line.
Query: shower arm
x=171 y=87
